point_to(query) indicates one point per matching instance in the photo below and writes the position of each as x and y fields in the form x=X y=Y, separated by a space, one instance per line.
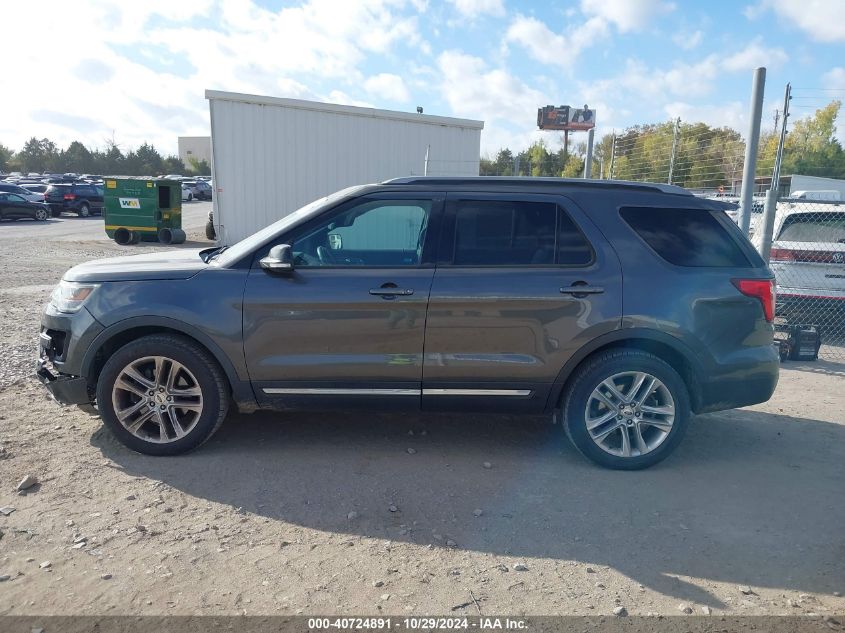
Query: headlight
x=69 y=296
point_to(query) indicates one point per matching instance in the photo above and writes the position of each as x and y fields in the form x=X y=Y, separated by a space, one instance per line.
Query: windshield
x=249 y=244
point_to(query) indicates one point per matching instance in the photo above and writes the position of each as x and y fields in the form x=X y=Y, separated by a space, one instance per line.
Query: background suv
x=83 y=199
x=617 y=308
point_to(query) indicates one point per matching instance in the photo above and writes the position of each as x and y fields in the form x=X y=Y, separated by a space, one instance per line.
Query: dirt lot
x=293 y=513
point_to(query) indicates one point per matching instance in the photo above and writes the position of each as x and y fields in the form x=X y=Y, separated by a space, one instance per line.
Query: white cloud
x=387 y=86
x=552 y=48
x=540 y=42
x=687 y=40
x=145 y=65
x=834 y=78
x=507 y=105
x=627 y=15
x=475 y=8
x=732 y=114
x=822 y=20
x=753 y=56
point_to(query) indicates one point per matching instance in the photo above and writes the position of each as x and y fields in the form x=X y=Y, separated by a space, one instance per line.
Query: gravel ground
x=308 y=513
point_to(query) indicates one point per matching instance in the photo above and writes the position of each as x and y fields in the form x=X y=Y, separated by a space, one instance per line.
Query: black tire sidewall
x=84 y=211
x=194 y=360
x=603 y=367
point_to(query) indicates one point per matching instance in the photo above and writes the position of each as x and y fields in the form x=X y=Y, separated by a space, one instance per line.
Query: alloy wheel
x=157 y=399
x=630 y=414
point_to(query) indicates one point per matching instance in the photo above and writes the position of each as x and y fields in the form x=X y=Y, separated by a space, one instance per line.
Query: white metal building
x=194 y=147
x=270 y=155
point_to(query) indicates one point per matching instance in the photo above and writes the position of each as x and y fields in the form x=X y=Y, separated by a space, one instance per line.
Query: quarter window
x=516 y=233
x=686 y=237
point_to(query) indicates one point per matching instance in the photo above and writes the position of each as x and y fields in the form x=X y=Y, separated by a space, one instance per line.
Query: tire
x=623 y=367
x=209 y=231
x=198 y=372
x=190 y=197
x=41 y=215
x=84 y=210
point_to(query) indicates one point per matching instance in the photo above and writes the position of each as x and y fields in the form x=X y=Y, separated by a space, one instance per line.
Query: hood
x=173 y=264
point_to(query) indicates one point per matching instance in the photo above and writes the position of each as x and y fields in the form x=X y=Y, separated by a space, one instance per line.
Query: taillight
x=70 y=196
x=782 y=255
x=762 y=289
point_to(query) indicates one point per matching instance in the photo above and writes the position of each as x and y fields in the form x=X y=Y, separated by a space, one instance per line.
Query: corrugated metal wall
x=271 y=156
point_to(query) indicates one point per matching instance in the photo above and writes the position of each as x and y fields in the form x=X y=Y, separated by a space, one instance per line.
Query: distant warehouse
x=270 y=156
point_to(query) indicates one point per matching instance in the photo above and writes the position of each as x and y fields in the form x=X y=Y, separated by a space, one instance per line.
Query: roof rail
x=532 y=181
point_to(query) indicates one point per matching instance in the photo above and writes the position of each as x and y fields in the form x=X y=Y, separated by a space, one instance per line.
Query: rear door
x=522 y=282
x=90 y=193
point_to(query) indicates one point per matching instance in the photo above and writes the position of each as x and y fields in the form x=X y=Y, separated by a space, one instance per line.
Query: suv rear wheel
x=84 y=210
x=626 y=409
x=162 y=395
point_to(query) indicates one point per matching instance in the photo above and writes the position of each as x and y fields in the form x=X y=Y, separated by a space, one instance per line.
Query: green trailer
x=137 y=209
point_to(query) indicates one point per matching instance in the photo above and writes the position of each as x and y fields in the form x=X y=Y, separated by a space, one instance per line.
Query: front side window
x=371 y=233
x=516 y=233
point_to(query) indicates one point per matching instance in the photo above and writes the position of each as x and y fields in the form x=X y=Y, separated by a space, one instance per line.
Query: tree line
x=705 y=157
x=45 y=156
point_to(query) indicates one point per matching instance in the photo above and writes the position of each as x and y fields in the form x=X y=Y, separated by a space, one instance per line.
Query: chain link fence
x=808 y=259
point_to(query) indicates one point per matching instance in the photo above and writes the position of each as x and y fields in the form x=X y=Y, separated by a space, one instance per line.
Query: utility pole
x=752 y=142
x=768 y=219
x=675 y=132
x=588 y=162
x=425 y=169
x=612 y=154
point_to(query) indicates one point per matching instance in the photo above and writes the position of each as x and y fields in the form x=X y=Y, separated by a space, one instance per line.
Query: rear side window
x=813 y=227
x=516 y=233
x=686 y=237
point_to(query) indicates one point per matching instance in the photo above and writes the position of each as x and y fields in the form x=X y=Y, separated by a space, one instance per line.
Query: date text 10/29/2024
x=416 y=623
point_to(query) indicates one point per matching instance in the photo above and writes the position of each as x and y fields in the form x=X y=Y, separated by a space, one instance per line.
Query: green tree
x=38 y=155
x=76 y=158
x=6 y=155
x=173 y=165
x=199 y=167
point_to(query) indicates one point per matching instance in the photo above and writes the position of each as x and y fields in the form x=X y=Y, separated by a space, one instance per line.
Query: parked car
x=187 y=193
x=203 y=190
x=200 y=189
x=808 y=259
x=32 y=196
x=618 y=309
x=36 y=188
x=15 y=207
x=80 y=198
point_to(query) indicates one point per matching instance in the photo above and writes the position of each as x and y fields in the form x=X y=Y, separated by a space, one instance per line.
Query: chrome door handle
x=582 y=290
x=404 y=292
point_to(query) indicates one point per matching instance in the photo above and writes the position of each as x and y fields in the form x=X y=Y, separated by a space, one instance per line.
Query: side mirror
x=278 y=260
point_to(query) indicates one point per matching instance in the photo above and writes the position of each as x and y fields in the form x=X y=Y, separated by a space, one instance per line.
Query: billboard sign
x=565 y=118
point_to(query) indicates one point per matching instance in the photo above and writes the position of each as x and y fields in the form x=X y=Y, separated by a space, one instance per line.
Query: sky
x=136 y=71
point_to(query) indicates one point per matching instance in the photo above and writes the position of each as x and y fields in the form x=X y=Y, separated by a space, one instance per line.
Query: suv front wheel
x=626 y=409
x=162 y=395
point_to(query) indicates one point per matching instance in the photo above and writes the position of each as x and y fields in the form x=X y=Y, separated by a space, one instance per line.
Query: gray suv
x=615 y=308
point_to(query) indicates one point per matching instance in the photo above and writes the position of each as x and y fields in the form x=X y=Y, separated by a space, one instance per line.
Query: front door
x=522 y=282
x=346 y=327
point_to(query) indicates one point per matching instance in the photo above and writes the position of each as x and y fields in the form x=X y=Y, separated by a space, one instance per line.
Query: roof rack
x=532 y=181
